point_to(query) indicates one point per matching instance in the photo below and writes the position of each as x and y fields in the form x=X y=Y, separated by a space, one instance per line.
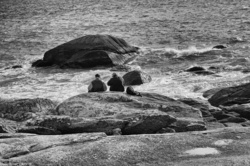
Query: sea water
x=173 y=36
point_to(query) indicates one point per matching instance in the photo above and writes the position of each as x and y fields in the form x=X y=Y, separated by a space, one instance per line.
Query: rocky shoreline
x=94 y=116
x=40 y=131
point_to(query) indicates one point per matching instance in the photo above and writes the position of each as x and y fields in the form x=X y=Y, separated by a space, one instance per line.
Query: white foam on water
x=188 y=51
x=202 y=151
x=175 y=51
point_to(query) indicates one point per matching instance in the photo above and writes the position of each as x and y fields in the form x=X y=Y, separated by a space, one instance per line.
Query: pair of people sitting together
x=116 y=83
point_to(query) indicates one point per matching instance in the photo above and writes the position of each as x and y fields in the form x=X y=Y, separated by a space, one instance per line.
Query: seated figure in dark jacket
x=116 y=83
x=97 y=85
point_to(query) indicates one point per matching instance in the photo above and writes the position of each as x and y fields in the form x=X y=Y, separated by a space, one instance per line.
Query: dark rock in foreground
x=227 y=146
x=231 y=95
x=89 y=51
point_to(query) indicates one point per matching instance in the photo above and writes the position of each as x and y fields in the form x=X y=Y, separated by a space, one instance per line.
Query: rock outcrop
x=227 y=146
x=136 y=77
x=89 y=51
x=100 y=112
x=146 y=114
x=231 y=95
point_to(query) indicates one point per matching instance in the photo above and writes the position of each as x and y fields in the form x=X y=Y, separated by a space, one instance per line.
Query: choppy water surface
x=173 y=36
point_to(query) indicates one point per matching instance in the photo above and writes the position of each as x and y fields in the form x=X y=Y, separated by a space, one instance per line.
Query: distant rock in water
x=195 y=69
x=199 y=70
x=219 y=47
x=14 y=67
x=136 y=77
x=231 y=95
x=89 y=51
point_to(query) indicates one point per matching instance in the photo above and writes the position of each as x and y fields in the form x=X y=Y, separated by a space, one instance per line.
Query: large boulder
x=89 y=51
x=136 y=77
x=227 y=146
x=231 y=95
x=146 y=114
x=23 y=109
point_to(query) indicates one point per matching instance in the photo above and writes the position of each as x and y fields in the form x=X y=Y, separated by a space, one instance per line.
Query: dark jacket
x=97 y=86
x=116 y=84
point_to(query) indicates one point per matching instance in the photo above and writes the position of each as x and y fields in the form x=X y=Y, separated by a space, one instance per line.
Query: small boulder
x=136 y=77
x=219 y=47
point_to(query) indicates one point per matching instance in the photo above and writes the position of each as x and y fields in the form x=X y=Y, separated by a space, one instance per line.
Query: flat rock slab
x=227 y=146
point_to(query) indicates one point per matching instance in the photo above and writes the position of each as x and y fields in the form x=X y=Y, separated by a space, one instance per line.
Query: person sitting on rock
x=131 y=91
x=97 y=85
x=116 y=83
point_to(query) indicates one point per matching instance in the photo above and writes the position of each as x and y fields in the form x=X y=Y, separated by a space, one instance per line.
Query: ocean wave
x=174 y=52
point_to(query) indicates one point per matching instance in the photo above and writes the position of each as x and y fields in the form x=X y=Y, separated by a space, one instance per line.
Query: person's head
x=97 y=76
x=114 y=75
